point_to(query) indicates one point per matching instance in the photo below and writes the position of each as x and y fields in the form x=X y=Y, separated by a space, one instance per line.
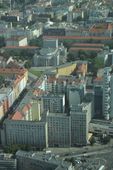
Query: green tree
x=2 y=80
x=67 y=44
x=36 y=42
x=2 y=42
x=79 y=18
x=98 y=63
x=72 y=160
x=28 y=64
x=70 y=57
x=92 y=140
x=105 y=139
x=14 y=148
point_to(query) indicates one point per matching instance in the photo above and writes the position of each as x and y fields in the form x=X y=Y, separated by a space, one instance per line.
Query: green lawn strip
x=36 y=72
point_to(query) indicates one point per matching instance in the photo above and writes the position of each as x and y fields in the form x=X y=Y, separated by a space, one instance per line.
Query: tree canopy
x=98 y=63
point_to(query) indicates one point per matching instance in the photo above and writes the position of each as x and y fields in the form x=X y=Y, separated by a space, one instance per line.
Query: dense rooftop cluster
x=56 y=79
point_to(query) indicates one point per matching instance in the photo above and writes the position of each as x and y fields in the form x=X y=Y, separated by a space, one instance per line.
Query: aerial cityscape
x=56 y=85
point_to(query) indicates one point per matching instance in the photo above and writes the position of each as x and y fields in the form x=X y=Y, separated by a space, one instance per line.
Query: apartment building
x=56 y=86
x=15 y=80
x=59 y=130
x=16 y=41
x=6 y=99
x=79 y=129
x=53 y=103
x=101 y=29
x=98 y=100
x=80 y=118
x=75 y=93
x=30 y=125
x=107 y=96
x=24 y=132
x=50 y=129
x=108 y=93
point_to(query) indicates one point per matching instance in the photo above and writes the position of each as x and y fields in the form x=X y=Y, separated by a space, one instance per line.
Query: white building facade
x=107 y=93
x=25 y=132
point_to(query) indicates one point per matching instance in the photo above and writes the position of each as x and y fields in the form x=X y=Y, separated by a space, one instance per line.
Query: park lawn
x=36 y=72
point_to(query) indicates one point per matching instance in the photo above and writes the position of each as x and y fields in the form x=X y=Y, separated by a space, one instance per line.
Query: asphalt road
x=102 y=157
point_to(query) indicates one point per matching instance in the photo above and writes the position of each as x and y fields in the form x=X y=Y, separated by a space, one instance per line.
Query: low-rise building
x=16 y=41
x=7 y=162
x=42 y=160
x=99 y=127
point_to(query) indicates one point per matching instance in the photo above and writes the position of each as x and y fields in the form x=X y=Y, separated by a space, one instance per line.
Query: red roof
x=78 y=37
x=99 y=28
x=38 y=92
x=21 y=47
x=87 y=44
x=13 y=70
x=98 y=79
x=27 y=107
x=17 y=38
x=17 y=116
x=69 y=81
x=82 y=48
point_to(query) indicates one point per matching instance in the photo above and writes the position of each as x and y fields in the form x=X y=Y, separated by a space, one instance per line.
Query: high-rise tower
x=107 y=93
